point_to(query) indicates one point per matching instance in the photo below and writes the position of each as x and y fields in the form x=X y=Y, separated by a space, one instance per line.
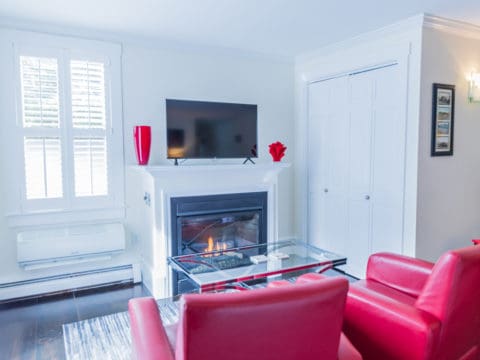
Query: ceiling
x=274 y=27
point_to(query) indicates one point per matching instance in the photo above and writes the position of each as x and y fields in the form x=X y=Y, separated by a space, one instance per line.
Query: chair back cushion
x=301 y=321
x=399 y=272
x=452 y=294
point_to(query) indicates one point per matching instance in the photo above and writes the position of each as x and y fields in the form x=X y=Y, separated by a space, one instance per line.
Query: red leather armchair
x=292 y=322
x=411 y=309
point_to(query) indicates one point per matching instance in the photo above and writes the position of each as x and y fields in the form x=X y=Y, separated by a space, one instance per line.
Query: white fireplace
x=149 y=195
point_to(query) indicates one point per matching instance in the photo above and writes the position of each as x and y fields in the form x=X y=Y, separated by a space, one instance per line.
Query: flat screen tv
x=205 y=130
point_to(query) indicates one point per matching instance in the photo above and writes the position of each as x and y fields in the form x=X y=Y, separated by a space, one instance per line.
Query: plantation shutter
x=41 y=124
x=89 y=128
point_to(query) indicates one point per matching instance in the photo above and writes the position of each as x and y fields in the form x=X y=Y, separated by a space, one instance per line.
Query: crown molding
x=456 y=27
x=400 y=27
x=130 y=39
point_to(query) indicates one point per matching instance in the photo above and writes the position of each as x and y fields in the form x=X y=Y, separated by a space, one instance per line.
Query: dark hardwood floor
x=32 y=329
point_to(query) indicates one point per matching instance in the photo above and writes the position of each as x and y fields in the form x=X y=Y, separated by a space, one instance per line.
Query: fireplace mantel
x=152 y=187
x=159 y=170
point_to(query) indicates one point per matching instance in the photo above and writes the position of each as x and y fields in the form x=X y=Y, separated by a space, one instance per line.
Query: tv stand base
x=247 y=160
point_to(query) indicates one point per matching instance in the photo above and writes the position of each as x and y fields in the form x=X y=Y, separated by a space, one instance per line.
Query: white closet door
x=360 y=158
x=328 y=164
x=388 y=156
x=356 y=162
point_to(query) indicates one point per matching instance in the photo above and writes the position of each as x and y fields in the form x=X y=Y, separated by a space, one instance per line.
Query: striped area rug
x=107 y=337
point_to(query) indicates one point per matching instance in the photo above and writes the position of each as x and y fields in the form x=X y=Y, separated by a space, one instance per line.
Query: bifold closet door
x=388 y=159
x=376 y=166
x=361 y=89
x=328 y=144
x=356 y=165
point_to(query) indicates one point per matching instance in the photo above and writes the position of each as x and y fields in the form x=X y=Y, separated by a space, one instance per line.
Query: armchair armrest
x=402 y=273
x=382 y=328
x=149 y=338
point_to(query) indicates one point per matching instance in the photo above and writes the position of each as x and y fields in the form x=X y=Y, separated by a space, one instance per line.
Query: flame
x=210 y=244
x=217 y=246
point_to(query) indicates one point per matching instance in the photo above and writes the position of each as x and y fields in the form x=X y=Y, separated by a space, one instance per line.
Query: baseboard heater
x=69 y=245
x=70 y=281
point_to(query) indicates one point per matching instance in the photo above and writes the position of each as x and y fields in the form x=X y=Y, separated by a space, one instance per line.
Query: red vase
x=142 y=137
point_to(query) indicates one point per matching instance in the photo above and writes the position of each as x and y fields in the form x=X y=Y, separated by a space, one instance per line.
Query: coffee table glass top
x=253 y=262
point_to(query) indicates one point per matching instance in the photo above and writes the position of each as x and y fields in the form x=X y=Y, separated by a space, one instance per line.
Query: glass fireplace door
x=208 y=223
x=218 y=231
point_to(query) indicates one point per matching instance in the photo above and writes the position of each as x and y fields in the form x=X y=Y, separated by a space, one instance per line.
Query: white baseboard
x=70 y=281
x=155 y=280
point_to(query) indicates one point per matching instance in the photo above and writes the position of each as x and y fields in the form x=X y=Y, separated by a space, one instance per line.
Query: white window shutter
x=88 y=94
x=90 y=158
x=41 y=114
x=43 y=167
x=89 y=120
x=39 y=82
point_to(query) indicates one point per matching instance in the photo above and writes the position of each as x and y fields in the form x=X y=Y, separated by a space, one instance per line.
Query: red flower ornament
x=277 y=150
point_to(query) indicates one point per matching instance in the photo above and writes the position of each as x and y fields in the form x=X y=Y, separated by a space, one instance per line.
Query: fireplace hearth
x=213 y=223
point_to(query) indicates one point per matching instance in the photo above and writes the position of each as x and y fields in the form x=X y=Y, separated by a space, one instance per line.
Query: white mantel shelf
x=156 y=170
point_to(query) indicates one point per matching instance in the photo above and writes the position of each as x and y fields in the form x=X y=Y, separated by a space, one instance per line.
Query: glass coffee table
x=218 y=270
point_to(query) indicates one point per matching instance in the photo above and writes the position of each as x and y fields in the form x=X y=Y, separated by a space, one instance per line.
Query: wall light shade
x=474 y=88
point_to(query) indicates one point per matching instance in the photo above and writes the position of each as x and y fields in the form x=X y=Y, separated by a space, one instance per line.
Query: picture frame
x=443 y=114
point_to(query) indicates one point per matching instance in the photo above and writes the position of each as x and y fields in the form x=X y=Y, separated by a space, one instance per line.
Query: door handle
x=367 y=197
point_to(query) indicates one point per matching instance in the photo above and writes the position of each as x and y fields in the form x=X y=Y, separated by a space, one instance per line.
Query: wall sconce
x=474 y=87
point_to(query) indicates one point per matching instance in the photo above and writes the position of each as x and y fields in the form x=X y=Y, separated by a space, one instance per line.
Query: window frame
x=69 y=208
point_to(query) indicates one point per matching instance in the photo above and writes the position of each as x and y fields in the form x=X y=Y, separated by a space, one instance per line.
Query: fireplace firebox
x=215 y=222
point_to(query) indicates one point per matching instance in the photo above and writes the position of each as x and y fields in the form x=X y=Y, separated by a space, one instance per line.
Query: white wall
x=153 y=71
x=150 y=75
x=449 y=186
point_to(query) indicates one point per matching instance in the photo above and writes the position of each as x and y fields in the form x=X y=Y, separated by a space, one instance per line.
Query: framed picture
x=443 y=110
